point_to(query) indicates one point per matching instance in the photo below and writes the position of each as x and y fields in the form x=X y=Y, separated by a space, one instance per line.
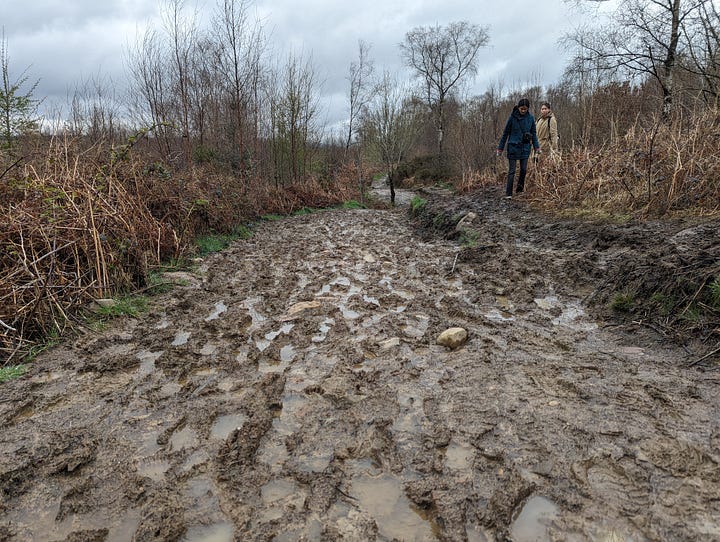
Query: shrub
x=622 y=302
x=417 y=204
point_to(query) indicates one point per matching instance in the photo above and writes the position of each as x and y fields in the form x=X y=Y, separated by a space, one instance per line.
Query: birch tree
x=441 y=58
x=644 y=39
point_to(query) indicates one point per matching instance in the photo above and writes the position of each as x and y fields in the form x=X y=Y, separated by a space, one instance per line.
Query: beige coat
x=547 y=133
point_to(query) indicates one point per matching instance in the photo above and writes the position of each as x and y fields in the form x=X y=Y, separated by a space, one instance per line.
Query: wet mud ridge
x=293 y=390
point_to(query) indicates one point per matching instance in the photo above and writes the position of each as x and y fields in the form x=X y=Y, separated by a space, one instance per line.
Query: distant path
x=381 y=190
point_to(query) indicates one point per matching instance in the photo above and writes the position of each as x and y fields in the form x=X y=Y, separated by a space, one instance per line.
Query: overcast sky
x=63 y=42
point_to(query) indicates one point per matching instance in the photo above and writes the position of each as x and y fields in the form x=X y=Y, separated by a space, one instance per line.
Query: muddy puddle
x=296 y=391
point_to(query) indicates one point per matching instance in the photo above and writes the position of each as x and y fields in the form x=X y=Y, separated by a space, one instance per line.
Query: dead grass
x=78 y=224
x=655 y=171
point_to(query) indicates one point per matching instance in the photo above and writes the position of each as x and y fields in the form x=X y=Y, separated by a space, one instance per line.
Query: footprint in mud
x=382 y=497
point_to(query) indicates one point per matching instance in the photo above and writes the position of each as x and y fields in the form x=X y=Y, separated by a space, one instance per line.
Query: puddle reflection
x=324 y=328
x=256 y=317
x=153 y=469
x=225 y=425
x=220 y=308
x=534 y=520
x=185 y=438
x=147 y=362
x=181 y=338
x=498 y=315
x=384 y=499
x=222 y=532
x=459 y=456
x=276 y=490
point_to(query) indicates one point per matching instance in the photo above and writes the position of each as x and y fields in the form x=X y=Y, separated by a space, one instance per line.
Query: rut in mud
x=293 y=390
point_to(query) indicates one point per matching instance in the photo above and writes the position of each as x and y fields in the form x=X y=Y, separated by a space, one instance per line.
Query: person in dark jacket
x=520 y=135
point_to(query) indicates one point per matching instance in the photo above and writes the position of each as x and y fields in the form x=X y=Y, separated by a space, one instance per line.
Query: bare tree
x=441 y=58
x=702 y=33
x=94 y=109
x=644 y=40
x=242 y=45
x=203 y=93
x=151 y=92
x=360 y=78
x=182 y=33
x=295 y=119
x=391 y=126
x=480 y=122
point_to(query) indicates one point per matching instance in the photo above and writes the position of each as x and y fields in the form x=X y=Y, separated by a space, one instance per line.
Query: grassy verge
x=12 y=372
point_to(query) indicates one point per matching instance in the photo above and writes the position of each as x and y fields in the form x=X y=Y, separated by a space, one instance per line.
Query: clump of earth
x=292 y=388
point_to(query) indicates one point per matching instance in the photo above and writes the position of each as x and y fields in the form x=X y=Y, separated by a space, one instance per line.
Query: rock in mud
x=453 y=338
x=465 y=222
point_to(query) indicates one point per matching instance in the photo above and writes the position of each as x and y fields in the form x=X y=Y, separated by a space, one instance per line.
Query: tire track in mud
x=295 y=391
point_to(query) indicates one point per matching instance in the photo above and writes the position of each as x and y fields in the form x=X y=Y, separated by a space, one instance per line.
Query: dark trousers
x=511 y=175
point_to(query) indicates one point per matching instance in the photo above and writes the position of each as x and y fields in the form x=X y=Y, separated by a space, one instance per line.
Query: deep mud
x=293 y=389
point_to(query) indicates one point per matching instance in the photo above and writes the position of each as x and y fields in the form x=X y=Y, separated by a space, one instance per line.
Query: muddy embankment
x=292 y=389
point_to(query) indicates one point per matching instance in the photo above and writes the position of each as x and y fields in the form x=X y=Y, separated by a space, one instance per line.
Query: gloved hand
x=499 y=152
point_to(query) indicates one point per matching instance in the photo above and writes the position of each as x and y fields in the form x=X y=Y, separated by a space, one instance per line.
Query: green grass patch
x=130 y=305
x=417 y=204
x=715 y=293
x=692 y=314
x=352 y=204
x=304 y=211
x=156 y=284
x=215 y=242
x=208 y=244
x=469 y=238
x=50 y=340
x=12 y=372
x=664 y=303
x=622 y=302
x=271 y=217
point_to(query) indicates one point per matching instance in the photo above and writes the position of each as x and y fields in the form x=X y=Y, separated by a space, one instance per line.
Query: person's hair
x=524 y=102
x=546 y=104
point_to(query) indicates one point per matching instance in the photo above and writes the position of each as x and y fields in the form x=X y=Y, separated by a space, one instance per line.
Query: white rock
x=303 y=306
x=389 y=343
x=465 y=221
x=453 y=337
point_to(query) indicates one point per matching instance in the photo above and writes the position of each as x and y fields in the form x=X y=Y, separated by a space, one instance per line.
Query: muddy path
x=293 y=389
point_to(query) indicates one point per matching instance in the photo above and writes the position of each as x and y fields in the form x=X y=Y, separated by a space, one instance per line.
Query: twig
x=15 y=163
x=706 y=356
x=694 y=297
x=9 y=328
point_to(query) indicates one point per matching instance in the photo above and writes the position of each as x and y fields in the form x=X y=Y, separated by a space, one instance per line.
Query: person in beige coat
x=547 y=130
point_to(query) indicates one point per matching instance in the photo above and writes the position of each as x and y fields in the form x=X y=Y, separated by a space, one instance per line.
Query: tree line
x=215 y=95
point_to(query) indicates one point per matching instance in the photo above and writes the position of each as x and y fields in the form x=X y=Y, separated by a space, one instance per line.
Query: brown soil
x=293 y=389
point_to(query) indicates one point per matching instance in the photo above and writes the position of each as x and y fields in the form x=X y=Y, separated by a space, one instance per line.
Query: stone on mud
x=389 y=343
x=453 y=337
x=300 y=307
x=465 y=221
